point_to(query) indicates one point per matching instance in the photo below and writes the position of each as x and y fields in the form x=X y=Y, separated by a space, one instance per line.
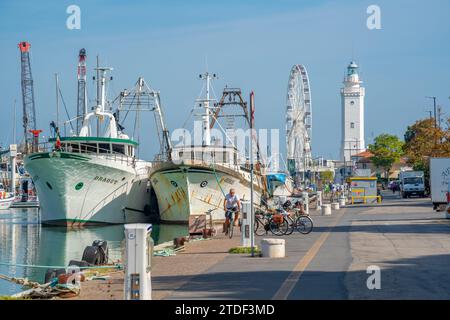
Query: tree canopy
x=386 y=149
x=423 y=140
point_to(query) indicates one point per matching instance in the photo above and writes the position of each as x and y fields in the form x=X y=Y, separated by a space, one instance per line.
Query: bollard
x=335 y=206
x=326 y=209
x=245 y=224
x=305 y=198
x=342 y=202
x=137 y=262
x=273 y=248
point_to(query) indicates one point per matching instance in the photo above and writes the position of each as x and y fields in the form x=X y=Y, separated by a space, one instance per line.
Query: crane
x=29 y=110
x=82 y=93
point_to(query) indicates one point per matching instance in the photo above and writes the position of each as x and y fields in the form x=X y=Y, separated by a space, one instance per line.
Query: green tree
x=422 y=141
x=386 y=149
x=326 y=176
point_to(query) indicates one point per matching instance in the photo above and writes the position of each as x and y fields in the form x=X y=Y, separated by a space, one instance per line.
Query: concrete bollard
x=342 y=202
x=335 y=206
x=273 y=248
x=326 y=210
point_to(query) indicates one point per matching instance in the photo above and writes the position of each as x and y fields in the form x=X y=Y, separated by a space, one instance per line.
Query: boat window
x=118 y=148
x=104 y=148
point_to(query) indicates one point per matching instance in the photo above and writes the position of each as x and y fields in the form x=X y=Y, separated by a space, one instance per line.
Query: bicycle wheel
x=259 y=228
x=230 y=230
x=304 y=224
x=291 y=225
x=278 y=228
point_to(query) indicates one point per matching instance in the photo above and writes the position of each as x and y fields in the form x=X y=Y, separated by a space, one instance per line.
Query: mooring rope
x=116 y=266
x=217 y=178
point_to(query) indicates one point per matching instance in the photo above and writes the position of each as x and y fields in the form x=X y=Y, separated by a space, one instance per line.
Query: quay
x=404 y=238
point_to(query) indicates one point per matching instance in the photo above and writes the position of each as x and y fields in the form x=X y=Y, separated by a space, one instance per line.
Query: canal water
x=24 y=241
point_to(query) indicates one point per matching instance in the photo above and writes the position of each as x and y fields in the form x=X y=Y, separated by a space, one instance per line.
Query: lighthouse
x=352 y=100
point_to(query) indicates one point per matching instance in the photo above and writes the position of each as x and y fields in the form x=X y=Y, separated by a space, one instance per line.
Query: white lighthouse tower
x=352 y=97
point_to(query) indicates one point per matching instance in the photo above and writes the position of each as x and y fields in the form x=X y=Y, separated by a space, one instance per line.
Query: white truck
x=412 y=183
x=439 y=179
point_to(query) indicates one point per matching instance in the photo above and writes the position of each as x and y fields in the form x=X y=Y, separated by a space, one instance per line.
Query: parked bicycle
x=283 y=220
x=301 y=221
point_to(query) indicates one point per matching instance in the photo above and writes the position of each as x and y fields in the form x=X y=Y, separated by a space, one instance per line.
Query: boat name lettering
x=107 y=180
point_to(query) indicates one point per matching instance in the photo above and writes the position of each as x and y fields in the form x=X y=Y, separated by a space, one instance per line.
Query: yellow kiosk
x=364 y=190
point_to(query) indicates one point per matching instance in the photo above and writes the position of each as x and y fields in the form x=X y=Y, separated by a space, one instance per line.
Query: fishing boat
x=6 y=198
x=90 y=179
x=198 y=176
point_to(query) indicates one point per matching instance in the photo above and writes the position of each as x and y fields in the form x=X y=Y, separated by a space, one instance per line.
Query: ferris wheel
x=298 y=120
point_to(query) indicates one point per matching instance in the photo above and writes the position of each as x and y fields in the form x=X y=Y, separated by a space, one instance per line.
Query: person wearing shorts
x=231 y=204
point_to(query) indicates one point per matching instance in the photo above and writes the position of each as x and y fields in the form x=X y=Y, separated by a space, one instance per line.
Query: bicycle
x=262 y=222
x=229 y=227
x=278 y=224
x=303 y=222
x=273 y=221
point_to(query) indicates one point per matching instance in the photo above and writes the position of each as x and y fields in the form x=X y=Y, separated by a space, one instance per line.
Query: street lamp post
x=435 y=122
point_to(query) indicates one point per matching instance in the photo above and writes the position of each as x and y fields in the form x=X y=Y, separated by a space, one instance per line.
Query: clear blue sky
x=250 y=44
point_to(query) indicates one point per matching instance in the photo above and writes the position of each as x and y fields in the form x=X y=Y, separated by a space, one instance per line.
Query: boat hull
x=82 y=189
x=6 y=203
x=188 y=189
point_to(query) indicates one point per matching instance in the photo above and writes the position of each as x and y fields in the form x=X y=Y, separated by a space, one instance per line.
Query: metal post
x=137 y=261
x=252 y=213
x=57 y=99
x=12 y=157
x=305 y=198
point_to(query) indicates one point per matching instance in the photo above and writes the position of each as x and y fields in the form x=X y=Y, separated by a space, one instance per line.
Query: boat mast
x=206 y=105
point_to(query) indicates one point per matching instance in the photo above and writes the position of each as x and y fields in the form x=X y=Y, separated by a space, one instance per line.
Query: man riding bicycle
x=231 y=204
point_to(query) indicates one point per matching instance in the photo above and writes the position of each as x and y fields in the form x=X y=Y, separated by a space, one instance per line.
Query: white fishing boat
x=92 y=179
x=198 y=176
x=6 y=198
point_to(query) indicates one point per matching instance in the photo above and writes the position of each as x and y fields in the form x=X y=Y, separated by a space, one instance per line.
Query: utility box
x=245 y=223
x=364 y=190
x=138 y=261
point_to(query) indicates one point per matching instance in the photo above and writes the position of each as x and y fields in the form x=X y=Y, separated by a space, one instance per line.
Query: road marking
x=290 y=282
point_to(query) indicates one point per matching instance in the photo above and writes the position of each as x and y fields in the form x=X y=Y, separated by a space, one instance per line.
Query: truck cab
x=412 y=183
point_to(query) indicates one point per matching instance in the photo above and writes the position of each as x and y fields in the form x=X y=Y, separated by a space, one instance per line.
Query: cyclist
x=231 y=204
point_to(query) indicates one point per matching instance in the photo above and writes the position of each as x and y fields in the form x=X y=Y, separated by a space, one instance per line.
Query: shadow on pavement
x=424 y=277
x=426 y=228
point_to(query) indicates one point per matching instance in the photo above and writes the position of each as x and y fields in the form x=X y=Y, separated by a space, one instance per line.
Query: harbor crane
x=29 y=110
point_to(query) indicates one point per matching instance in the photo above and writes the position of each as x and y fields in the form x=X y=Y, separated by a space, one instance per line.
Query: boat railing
x=85 y=149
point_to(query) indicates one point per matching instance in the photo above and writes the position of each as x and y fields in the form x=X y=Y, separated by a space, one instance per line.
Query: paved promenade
x=405 y=238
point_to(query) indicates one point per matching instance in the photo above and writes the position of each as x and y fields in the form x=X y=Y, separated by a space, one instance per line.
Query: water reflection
x=24 y=241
